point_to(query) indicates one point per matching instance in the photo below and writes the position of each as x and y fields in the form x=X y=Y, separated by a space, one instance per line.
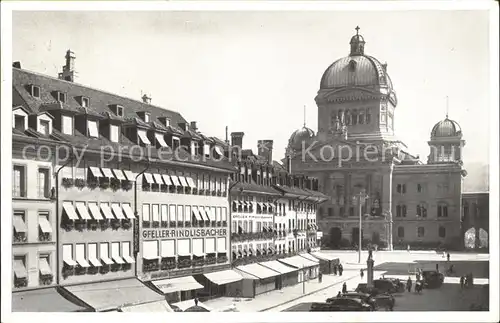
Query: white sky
x=254 y=71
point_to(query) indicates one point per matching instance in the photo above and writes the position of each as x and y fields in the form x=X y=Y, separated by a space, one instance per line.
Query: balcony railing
x=19 y=237
x=20 y=282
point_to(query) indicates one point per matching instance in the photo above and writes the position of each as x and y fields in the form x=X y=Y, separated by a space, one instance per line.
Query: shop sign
x=182 y=233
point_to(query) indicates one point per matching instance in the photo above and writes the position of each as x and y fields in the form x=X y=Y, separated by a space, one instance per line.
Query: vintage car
x=432 y=278
x=341 y=304
x=362 y=296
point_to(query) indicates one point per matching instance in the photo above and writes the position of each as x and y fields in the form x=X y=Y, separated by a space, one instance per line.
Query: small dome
x=298 y=136
x=446 y=128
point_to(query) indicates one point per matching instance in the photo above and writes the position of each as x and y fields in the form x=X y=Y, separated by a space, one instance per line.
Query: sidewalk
x=277 y=298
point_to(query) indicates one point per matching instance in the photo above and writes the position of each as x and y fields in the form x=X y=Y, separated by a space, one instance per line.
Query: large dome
x=446 y=128
x=298 y=136
x=357 y=69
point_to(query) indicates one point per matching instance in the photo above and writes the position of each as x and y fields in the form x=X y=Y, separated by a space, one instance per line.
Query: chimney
x=193 y=126
x=237 y=139
x=16 y=64
x=227 y=139
x=68 y=72
x=265 y=149
x=146 y=99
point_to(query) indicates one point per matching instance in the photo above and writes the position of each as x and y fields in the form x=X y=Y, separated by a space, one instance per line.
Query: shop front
x=113 y=295
x=264 y=279
x=326 y=261
x=45 y=300
x=307 y=269
x=178 y=289
x=221 y=283
x=288 y=275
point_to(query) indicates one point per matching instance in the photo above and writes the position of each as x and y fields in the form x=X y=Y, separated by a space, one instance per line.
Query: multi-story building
x=476 y=219
x=138 y=192
x=360 y=161
x=269 y=222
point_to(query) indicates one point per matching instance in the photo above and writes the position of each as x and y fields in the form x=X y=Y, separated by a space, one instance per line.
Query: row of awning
x=125 y=175
x=20 y=225
x=170 y=180
x=116 y=211
x=250 y=251
x=250 y=204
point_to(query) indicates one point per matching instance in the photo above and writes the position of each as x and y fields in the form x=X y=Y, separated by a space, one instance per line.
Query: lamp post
x=360 y=198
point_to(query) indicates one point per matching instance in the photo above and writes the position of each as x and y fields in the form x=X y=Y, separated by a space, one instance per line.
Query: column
x=386 y=202
x=369 y=178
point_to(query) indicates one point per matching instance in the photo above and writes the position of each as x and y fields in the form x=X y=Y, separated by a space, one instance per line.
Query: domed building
x=359 y=159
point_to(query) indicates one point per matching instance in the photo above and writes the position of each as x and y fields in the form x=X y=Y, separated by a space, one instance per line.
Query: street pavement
x=391 y=264
x=450 y=297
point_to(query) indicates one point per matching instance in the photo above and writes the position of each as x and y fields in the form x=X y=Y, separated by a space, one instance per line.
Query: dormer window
x=147 y=117
x=35 y=91
x=20 y=121
x=114 y=133
x=119 y=110
x=67 y=125
x=92 y=131
x=61 y=97
x=44 y=127
x=167 y=122
x=85 y=102
x=143 y=137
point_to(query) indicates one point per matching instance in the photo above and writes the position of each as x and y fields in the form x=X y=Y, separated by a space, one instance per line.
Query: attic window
x=19 y=122
x=85 y=102
x=61 y=97
x=119 y=110
x=167 y=122
x=92 y=129
x=147 y=116
x=35 y=91
x=352 y=66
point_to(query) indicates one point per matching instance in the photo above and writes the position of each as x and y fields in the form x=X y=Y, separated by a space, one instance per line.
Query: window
x=44 y=269
x=401 y=232
x=442 y=232
x=85 y=102
x=19 y=226
x=114 y=133
x=43 y=183
x=20 y=122
x=351 y=211
x=35 y=91
x=45 y=127
x=156 y=213
x=20 y=272
x=119 y=111
x=330 y=211
x=173 y=213
x=419 y=188
x=147 y=117
x=167 y=122
x=420 y=232
x=92 y=129
x=61 y=97
x=19 y=181
x=45 y=228
x=422 y=210
x=145 y=213
x=442 y=211
x=67 y=125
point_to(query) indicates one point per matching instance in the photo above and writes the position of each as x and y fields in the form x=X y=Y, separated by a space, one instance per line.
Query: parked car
x=363 y=288
x=432 y=278
x=362 y=296
x=344 y=304
x=397 y=282
x=384 y=300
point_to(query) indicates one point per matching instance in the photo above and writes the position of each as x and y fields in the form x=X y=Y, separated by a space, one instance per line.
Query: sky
x=255 y=71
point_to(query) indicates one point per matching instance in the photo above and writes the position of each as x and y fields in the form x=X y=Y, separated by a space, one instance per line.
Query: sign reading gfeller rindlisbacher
x=183 y=233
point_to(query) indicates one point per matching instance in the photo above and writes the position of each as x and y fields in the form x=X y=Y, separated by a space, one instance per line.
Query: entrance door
x=335 y=237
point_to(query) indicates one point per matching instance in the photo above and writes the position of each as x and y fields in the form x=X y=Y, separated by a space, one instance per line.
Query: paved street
x=447 y=298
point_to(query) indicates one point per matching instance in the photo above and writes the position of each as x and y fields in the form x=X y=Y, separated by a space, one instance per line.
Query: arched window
x=368 y=116
x=442 y=232
x=401 y=232
x=361 y=117
x=354 y=117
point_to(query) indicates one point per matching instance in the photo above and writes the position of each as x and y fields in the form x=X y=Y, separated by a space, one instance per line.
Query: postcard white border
x=6 y=144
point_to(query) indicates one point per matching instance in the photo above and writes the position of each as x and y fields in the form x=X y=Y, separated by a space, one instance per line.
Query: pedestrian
x=335 y=270
x=444 y=254
x=418 y=275
x=448 y=256
x=408 y=247
x=320 y=277
x=437 y=267
x=339 y=294
x=408 y=284
x=471 y=280
x=466 y=281
x=341 y=269
x=344 y=288
x=462 y=281
x=196 y=301
x=361 y=273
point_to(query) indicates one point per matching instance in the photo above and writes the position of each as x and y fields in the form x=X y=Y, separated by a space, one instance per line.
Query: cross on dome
x=357 y=30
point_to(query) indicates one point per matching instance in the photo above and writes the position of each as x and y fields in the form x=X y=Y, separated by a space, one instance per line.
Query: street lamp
x=360 y=198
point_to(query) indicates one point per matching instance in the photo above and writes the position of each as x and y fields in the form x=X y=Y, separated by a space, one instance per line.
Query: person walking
x=320 y=277
x=335 y=267
x=341 y=269
x=344 y=288
x=361 y=273
x=448 y=256
x=418 y=275
x=196 y=301
x=408 y=284
x=462 y=281
x=408 y=247
x=339 y=294
x=437 y=267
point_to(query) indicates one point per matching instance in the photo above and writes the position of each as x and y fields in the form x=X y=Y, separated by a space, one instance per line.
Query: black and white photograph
x=254 y=161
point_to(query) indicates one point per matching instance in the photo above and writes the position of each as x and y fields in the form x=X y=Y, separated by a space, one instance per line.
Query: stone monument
x=369 y=269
